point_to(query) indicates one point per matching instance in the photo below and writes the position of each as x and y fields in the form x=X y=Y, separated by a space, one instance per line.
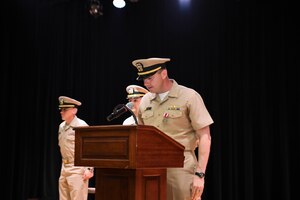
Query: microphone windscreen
x=129 y=105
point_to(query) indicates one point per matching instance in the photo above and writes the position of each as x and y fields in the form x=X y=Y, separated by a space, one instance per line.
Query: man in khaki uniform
x=179 y=112
x=73 y=180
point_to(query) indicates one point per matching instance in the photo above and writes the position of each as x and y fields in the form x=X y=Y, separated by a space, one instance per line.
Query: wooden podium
x=130 y=161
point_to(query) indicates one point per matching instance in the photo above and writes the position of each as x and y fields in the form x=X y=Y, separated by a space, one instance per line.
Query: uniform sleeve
x=198 y=112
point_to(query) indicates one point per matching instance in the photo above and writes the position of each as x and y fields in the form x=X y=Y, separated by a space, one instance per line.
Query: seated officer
x=135 y=93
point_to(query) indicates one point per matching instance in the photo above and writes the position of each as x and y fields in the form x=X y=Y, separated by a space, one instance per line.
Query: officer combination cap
x=67 y=102
x=135 y=91
x=148 y=67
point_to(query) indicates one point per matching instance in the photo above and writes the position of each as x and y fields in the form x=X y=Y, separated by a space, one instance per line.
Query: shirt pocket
x=147 y=114
x=70 y=137
x=174 y=114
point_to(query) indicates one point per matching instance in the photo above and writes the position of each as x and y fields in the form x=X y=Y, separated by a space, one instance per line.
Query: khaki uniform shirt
x=178 y=115
x=66 y=139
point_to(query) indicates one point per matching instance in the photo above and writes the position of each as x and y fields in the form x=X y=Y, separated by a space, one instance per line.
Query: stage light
x=119 y=3
x=95 y=8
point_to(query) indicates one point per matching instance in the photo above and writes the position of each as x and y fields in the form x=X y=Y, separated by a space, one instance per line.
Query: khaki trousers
x=180 y=180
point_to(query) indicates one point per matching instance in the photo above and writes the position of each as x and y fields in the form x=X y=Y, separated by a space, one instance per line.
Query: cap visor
x=142 y=77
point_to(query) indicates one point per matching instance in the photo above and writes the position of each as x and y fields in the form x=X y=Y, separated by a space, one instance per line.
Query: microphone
x=119 y=110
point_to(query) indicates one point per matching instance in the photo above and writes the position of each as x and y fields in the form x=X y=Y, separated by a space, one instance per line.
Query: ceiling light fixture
x=119 y=3
x=95 y=8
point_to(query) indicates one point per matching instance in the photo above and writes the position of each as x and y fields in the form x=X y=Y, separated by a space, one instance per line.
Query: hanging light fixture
x=95 y=8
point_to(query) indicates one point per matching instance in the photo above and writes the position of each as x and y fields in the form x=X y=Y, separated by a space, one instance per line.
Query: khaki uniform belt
x=67 y=161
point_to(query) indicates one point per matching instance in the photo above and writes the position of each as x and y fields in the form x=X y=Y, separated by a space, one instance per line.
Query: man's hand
x=88 y=173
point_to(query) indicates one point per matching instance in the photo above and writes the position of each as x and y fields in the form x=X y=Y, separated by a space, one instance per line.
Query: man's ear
x=75 y=111
x=164 y=73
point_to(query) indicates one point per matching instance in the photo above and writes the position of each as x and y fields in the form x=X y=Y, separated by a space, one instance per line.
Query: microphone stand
x=128 y=109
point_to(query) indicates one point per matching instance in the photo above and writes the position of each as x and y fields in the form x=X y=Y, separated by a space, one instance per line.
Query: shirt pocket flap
x=174 y=113
x=147 y=114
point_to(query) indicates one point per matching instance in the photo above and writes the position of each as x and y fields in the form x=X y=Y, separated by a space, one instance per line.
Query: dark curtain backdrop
x=241 y=56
